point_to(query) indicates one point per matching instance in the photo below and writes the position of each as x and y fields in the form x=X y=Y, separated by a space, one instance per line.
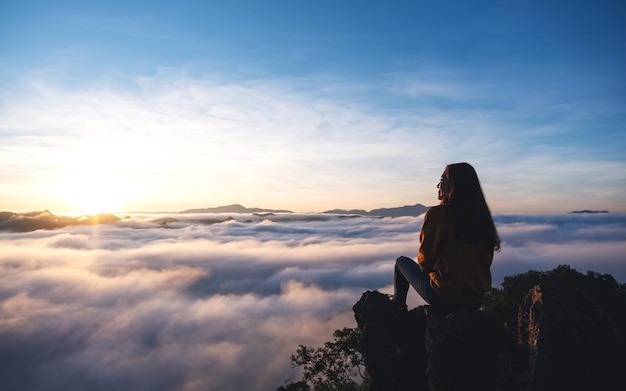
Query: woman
x=457 y=242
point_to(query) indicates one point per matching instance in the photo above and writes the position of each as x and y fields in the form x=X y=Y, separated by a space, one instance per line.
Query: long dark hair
x=472 y=217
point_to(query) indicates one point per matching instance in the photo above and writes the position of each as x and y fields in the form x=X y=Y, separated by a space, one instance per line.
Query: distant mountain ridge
x=407 y=210
x=234 y=208
x=31 y=221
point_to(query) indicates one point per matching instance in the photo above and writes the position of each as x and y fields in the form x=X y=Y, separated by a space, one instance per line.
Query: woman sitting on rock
x=457 y=242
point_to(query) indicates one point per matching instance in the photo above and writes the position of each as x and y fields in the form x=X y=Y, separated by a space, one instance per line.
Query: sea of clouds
x=195 y=306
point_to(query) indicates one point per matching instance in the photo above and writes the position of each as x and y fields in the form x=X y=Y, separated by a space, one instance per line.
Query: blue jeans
x=407 y=272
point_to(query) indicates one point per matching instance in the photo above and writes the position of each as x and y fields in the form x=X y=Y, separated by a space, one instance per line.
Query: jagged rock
x=571 y=343
x=561 y=340
x=425 y=350
x=466 y=350
x=392 y=343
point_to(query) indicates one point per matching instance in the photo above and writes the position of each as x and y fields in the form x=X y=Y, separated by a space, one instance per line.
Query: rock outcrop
x=392 y=343
x=560 y=340
x=569 y=341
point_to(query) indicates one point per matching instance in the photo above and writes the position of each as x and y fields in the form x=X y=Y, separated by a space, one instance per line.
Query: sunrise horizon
x=117 y=116
x=283 y=106
x=277 y=207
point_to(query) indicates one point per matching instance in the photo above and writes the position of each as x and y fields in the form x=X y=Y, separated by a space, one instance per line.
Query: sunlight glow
x=93 y=192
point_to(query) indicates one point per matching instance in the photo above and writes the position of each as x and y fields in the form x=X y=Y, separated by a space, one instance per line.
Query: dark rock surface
x=468 y=351
x=392 y=343
x=570 y=342
x=561 y=340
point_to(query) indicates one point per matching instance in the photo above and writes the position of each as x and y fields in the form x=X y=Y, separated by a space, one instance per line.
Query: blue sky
x=310 y=105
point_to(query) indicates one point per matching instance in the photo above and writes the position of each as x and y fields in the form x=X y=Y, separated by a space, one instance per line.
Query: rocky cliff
x=561 y=339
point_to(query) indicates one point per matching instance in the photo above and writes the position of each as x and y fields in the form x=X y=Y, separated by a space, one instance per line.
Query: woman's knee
x=398 y=263
x=403 y=259
x=404 y=263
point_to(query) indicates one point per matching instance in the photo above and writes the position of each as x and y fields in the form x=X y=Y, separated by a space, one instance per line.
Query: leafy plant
x=332 y=367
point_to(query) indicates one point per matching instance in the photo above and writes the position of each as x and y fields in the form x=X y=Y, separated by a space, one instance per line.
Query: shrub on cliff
x=334 y=366
x=503 y=303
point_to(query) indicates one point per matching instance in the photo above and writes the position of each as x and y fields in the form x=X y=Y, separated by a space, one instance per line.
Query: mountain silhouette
x=32 y=221
x=234 y=208
x=408 y=210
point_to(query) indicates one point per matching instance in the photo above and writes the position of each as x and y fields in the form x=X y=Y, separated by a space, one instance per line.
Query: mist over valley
x=221 y=300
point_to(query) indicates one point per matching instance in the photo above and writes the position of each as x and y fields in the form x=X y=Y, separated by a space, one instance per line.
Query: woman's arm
x=430 y=241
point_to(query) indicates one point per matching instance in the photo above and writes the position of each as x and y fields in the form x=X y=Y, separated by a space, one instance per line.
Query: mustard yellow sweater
x=459 y=272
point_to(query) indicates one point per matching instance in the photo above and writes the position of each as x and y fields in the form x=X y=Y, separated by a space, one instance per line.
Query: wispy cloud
x=201 y=137
x=173 y=141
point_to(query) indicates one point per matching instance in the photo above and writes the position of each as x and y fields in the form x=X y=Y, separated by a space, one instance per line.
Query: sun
x=89 y=192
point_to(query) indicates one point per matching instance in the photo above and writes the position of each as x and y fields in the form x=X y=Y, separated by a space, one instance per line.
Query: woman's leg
x=408 y=272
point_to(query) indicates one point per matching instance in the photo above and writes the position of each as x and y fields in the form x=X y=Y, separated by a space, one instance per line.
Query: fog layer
x=191 y=305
